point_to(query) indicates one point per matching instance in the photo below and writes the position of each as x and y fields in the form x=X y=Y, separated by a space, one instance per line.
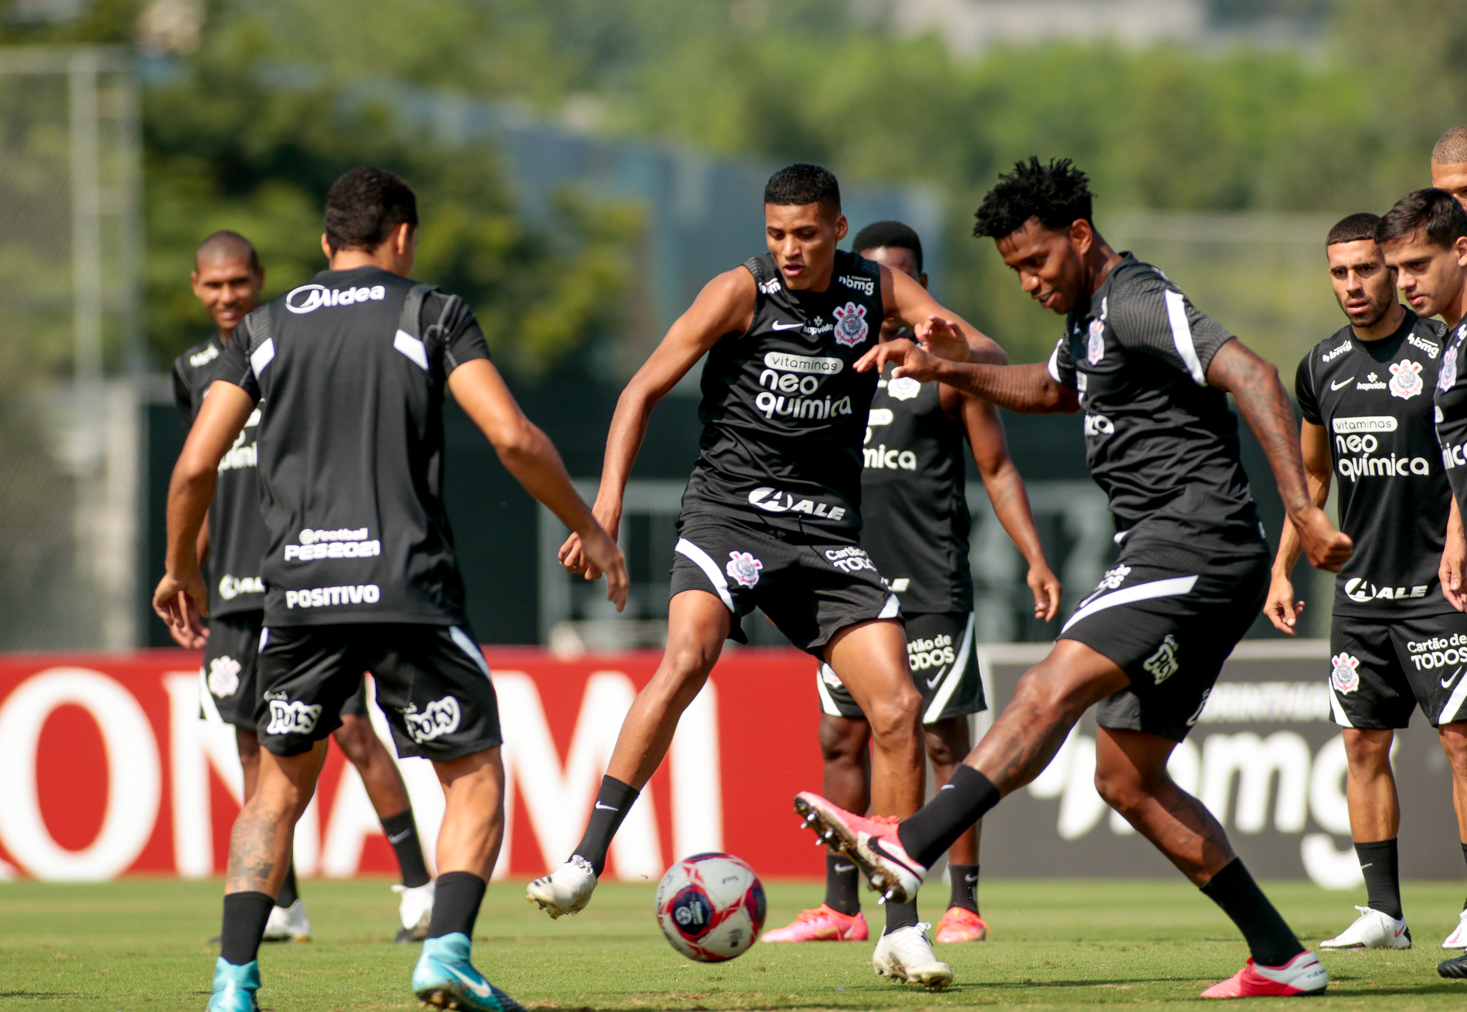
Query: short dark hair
x=1432 y=212
x=1353 y=228
x=1057 y=194
x=889 y=233
x=364 y=206
x=1451 y=147
x=803 y=183
x=224 y=245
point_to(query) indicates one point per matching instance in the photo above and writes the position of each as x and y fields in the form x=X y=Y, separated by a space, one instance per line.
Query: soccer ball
x=710 y=907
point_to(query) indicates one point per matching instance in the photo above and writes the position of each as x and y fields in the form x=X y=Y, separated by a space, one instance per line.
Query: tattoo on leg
x=1020 y=744
x=252 y=858
x=1184 y=830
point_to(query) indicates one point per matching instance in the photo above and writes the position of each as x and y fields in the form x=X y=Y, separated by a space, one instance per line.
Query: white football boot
x=288 y=924
x=1372 y=930
x=415 y=911
x=905 y=954
x=1458 y=938
x=566 y=890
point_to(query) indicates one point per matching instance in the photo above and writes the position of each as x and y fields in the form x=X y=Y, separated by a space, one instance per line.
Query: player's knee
x=1368 y=749
x=843 y=742
x=896 y=717
x=1045 y=690
x=355 y=738
x=1123 y=791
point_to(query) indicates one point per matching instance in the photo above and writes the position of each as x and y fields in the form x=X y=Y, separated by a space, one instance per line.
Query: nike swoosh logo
x=1336 y=386
x=1399 y=930
x=786 y=326
x=605 y=808
x=400 y=836
x=937 y=677
x=946 y=787
x=1447 y=684
x=1370 y=865
x=482 y=990
x=845 y=867
x=970 y=878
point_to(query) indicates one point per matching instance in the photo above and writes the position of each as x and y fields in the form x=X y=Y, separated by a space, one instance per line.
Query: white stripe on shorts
x=827 y=701
x=1341 y=718
x=1173 y=587
x=467 y=645
x=891 y=609
x=710 y=569
x=954 y=677
x=1453 y=708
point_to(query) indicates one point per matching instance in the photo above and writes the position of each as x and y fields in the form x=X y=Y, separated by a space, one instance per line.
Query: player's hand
x=943 y=338
x=1325 y=547
x=603 y=555
x=1046 y=588
x=1454 y=560
x=572 y=554
x=183 y=604
x=1280 y=607
x=910 y=360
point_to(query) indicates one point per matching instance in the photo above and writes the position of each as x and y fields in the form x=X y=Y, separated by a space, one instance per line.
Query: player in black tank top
x=916 y=525
x=771 y=515
x=1152 y=373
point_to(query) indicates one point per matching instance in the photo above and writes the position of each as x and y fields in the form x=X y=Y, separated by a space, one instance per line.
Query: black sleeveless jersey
x=1160 y=442
x=1373 y=399
x=237 y=536
x=783 y=412
x=913 y=498
x=351 y=448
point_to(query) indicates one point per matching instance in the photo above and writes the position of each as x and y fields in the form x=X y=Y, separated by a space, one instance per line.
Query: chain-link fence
x=69 y=263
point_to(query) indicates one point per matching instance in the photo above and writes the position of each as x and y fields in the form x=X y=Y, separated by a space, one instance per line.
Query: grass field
x=1059 y=944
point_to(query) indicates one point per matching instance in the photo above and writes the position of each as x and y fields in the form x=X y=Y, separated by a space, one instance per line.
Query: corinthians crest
x=744 y=568
x=223 y=676
x=1344 y=673
x=850 y=325
x=1405 y=379
x=1448 y=375
x=1095 y=346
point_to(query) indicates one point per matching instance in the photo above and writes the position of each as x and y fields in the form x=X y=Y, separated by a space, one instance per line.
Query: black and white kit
x=352 y=369
x=944 y=664
x=1163 y=445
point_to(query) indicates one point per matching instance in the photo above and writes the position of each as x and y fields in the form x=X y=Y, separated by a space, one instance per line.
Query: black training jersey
x=351 y=448
x=1450 y=397
x=913 y=498
x=783 y=411
x=1159 y=441
x=237 y=536
x=1374 y=400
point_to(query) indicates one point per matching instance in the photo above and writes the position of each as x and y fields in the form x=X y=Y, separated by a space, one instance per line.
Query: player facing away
x=915 y=509
x=227 y=279
x=1151 y=374
x=351 y=369
x=1423 y=239
x=771 y=516
x=1364 y=393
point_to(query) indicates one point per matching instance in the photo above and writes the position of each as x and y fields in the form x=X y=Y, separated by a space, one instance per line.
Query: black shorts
x=432 y=684
x=1169 y=615
x=231 y=656
x=811 y=591
x=1379 y=671
x=944 y=668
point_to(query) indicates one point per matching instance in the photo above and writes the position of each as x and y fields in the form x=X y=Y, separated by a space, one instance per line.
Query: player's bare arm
x=1028 y=389
x=941 y=331
x=1280 y=607
x=724 y=306
x=529 y=455
x=1007 y=495
x=1263 y=404
x=1454 y=560
x=181 y=599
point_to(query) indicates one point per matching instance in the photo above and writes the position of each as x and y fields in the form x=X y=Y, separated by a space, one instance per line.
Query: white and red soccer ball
x=711 y=907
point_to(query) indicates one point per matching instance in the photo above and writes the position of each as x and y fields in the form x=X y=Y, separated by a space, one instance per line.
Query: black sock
x=1464 y=857
x=402 y=833
x=1380 y=864
x=1270 y=940
x=965 y=886
x=288 y=893
x=900 y=915
x=842 y=884
x=456 y=901
x=960 y=802
x=245 y=915
x=612 y=803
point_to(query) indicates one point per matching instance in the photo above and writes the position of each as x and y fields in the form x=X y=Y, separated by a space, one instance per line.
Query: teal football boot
x=235 y=987
x=444 y=978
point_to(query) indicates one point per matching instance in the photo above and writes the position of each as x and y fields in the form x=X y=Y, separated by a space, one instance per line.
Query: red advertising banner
x=109 y=770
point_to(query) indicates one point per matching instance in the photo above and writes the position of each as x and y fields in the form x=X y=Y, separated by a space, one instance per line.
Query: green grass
x=142 y=944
